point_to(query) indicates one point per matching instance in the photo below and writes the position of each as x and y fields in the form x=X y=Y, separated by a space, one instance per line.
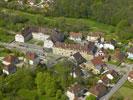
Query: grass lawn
x=37 y=42
x=94 y=26
x=126 y=91
x=5 y=37
x=4 y=52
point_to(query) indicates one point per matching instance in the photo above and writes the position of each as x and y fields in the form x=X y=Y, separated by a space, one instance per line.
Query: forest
x=114 y=12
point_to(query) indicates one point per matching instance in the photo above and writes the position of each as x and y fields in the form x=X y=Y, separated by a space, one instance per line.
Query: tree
x=1 y=95
x=90 y=97
x=122 y=30
x=58 y=94
x=121 y=26
x=64 y=97
x=40 y=82
x=25 y=94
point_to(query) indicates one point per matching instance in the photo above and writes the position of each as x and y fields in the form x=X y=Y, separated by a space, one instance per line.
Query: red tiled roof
x=105 y=79
x=75 y=35
x=75 y=88
x=97 y=34
x=10 y=58
x=98 y=60
x=31 y=55
x=98 y=90
x=78 y=47
x=131 y=74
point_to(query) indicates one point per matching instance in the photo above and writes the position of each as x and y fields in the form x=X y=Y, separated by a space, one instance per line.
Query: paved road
x=50 y=60
x=24 y=48
x=119 y=83
x=115 y=88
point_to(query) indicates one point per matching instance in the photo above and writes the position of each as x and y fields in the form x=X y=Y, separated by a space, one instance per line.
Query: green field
x=5 y=36
x=125 y=92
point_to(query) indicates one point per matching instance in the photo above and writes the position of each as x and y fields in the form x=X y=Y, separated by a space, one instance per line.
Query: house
x=93 y=36
x=130 y=76
x=40 y=33
x=10 y=59
x=100 y=52
x=108 y=46
x=48 y=44
x=113 y=42
x=57 y=36
x=68 y=50
x=31 y=2
x=99 y=63
x=9 y=69
x=108 y=76
x=76 y=91
x=37 y=33
x=26 y=34
x=99 y=45
x=130 y=43
x=78 y=59
x=32 y=58
x=130 y=53
x=112 y=74
x=105 y=45
x=20 y=38
x=119 y=56
x=98 y=90
x=75 y=36
x=76 y=72
x=40 y=36
x=88 y=66
x=105 y=80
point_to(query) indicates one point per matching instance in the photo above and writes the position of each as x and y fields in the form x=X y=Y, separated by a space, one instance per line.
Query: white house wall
x=70 y=95
x=40 y=36
x=19 y=38
x=130 y=55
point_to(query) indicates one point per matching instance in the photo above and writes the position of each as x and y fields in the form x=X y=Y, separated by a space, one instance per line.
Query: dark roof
x=10 y=58
x=28 y=30
x=98 y=90
x=91 y=46
x=78 y=57
x=113 y=42
x=57 y=36
x=78 y=71
x=10 y=68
